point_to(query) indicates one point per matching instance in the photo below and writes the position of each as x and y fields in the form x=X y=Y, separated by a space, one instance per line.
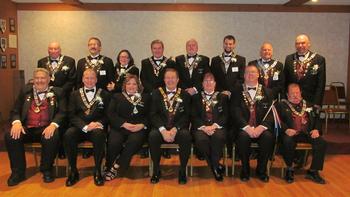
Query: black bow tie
x=207 y=94
x=301 y=55
x=158 y=59
x=265 y=61
x=191 y=56
x=89 y=90
x=43 y=92
x=52 y=61
x=170 y=92
x=94 y=58
x=227 y=56
x=251 y=88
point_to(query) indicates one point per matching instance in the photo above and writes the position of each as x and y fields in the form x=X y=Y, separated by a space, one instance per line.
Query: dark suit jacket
x=232 y=77
x=277 y=84
x=186 y=81
x=119 y=83
x=159 y=114
x=57 y=111
x=64 y=79
x=105 y=75
x=240 y=111
x=120 y=110
x=76 y=110
x=220 y=111
x=149 y=80
x=313 y=84
x=287 y=122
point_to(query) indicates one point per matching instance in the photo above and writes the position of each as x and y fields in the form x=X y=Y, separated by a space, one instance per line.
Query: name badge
x=275 y=76
x=102 y=72
x=234 y=69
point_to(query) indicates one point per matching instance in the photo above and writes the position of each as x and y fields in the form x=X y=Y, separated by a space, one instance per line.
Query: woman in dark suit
x=128 y=116
x=125 y=65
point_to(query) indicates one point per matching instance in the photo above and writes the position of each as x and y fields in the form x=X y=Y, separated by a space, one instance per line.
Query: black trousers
x=155 y=140
x=16 y=153
x=265 y=141
x=211 y=146
x=74 y=136
x=122 y=145
x=319 y=146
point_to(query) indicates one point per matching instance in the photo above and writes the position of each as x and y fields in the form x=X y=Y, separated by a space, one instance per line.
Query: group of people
x=119 y=108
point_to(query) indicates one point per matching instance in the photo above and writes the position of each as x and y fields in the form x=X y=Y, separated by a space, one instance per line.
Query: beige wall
x=134 y=31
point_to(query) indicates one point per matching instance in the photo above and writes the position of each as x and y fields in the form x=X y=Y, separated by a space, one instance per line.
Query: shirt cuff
x=85 y=129
x=264 y=127
x=218 y=126
x=201 y=127
x=15 y=121
x=161 y=129
x=56 y=125
x=244 y=128
x=195 y=89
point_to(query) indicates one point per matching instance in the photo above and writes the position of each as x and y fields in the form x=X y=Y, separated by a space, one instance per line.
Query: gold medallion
x=37 y=109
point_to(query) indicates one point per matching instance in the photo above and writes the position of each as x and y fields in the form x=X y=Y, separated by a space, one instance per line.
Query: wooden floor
x=136 y=183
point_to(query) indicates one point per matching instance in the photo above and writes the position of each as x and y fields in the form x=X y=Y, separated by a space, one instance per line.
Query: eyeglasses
x=208 y=81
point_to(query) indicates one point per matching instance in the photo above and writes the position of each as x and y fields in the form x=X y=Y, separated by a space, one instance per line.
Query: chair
x=300 y=146
x=332 y=106
x=34 y=147
x=254 y=145
x=340 y=90
x=170 y=146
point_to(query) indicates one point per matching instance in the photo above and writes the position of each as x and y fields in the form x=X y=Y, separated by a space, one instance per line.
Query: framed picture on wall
x=3 y=44
x=3 y=61
x=2 y=25
x=13 y=60
x=12 y=25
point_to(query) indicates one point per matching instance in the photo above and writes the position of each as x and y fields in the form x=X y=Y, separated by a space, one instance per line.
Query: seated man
x=87 y=114
x=300 y=123
x=170 y=111
x=250 y=103
x=36 y=116
x=209 y=116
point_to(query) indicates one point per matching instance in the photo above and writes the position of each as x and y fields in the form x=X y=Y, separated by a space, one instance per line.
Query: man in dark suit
x=228 y=67
x=271 y=71
x=250 y=109
x=63 y=74
x=152 y=68
x=308 y=69
x=209 y=116
x=87 y=113
x=192 y=68
x=36 y=116
x=101 y=64
x=61 y=67
x=300 y=123
x=170 y=111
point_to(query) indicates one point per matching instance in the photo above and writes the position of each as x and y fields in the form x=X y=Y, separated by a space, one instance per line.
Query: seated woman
x=128 y=116
x=209 y=115
x=125 y=65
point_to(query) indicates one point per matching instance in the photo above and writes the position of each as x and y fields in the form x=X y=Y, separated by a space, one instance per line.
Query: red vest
x=40 y=119
x=300 y=122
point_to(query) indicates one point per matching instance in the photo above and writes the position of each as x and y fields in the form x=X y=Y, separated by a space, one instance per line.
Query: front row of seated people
x=123 y=122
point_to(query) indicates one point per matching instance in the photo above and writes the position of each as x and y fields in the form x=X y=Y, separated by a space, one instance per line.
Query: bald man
x=61 y=67
x=271 y=70
x=308 y=69
x=192 y=68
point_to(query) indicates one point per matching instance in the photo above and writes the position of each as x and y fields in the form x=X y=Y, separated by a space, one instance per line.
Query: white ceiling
x=320 y=2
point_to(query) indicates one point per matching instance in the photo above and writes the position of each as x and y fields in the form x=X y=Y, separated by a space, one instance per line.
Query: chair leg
x=150 y=165
x=56 y=165
x=305 y=157
x=225 y=160
x=35 y=158
x=191 y=162
x=326 y=118
x=233 y=159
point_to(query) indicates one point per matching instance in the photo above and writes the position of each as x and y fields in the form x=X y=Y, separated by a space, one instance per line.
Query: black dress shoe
x=244 y=176
x=218 y=175
x=48 y=177
x=166 y=154
x=221 y=169
x=289 y=176
x=98 y=179
x=155 y=177
x=263 y=177
x=315 y=177
x=15 y=179
x=72 y=179
x=182 y=177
